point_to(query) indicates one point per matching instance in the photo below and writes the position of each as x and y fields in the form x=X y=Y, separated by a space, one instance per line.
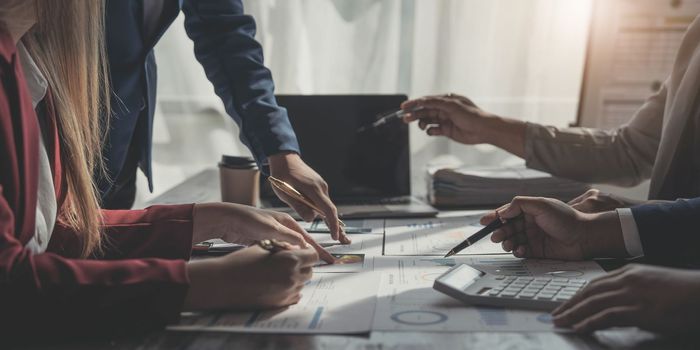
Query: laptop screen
x=356 y=163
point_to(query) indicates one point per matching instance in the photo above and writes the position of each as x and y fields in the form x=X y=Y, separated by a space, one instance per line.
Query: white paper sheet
x=375 y=226
x=435 y=236
x=368 y=244
x=345 y=263
x=407 y=302
x=337 y=303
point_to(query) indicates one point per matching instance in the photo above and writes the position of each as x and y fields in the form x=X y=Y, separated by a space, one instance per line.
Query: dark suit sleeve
x=670 y=232
x=225 y=45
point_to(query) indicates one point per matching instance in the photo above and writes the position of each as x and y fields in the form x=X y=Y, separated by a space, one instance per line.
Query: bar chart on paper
x=435 y=237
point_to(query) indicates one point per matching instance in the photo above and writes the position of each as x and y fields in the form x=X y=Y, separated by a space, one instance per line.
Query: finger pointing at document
x=290 y=168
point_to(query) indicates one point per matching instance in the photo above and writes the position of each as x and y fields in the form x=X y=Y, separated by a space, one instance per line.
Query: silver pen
x=387 y=117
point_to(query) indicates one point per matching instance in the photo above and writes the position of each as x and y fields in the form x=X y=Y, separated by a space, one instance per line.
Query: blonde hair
x=68 y=46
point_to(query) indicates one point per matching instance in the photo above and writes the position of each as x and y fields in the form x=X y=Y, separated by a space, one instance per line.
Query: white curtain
x=519 y=58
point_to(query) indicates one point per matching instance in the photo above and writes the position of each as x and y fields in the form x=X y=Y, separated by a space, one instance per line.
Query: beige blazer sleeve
x=624 y=156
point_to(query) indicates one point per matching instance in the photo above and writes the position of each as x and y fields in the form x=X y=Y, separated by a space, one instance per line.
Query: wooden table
x=622 y=339
x=618 y=339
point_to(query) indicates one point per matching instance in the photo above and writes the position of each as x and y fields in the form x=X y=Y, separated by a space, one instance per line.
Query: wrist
x=282 y=159
x=505 y=133
x=602 y=236
x=197 y=223
x=215 y=220
x=200 y=274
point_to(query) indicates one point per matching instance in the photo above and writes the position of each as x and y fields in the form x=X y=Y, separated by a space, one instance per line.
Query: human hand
x=657 y=299
x=594 y=201
x=243 y=224
x=459 y=119
x=453 y=116
x=252 y=278
x=550 y=229
x=289 y=167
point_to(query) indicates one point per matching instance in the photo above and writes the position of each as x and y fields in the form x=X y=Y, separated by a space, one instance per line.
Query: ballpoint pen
x=492 y=226
x=387 y=117
x=292 y=192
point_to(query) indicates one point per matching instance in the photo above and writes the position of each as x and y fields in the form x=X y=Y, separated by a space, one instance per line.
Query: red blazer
x=138 y=283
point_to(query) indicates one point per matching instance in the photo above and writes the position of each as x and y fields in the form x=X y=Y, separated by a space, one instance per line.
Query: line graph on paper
x=435 y=237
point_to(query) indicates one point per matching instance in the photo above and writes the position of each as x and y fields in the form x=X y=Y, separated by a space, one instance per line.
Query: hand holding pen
x=294 y=194
x=309 y=185
x=551 y=229
x=268 y=274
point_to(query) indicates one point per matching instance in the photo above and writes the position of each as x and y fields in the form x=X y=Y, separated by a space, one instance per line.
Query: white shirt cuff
x=630 y=233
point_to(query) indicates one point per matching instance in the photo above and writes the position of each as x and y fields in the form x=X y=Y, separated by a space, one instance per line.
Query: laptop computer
x=367 y=169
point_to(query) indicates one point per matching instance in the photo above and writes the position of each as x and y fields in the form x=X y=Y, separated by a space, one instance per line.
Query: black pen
x=492 y=226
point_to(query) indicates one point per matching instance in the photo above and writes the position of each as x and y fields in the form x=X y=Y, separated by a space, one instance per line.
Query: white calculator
x=476 y=287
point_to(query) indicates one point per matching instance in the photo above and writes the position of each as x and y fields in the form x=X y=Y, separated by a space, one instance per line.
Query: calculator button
x=525 y=279
x=509 y=294
x=493 y=293
x=560 y=279
x=570 y=290
x=519 y=284
x=544 y=297
x=558 y=284
x=577 y=280
x=526 y=295
x=542 y=279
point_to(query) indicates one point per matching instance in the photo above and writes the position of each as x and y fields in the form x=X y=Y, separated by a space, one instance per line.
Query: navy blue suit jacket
x=233 y=61
x=670 y=232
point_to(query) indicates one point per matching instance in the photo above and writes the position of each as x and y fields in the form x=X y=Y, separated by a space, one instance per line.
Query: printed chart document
x=369 y=244
x=345 y=263
x=352 y=226
x=435 y=236
x=332 y=303
x=408 y=302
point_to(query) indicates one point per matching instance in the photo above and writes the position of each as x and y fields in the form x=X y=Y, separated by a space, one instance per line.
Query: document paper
x=408 y=302
x=332 y=303
x=435 y=236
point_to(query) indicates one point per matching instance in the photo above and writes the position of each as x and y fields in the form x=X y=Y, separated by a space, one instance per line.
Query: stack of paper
x=493 y=186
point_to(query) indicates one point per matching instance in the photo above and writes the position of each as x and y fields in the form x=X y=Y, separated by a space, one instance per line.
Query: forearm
x=507 y=134
x=621 y=157
x=225 y=45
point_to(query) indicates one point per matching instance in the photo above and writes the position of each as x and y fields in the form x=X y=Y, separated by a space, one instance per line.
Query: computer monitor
x=356 y=163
